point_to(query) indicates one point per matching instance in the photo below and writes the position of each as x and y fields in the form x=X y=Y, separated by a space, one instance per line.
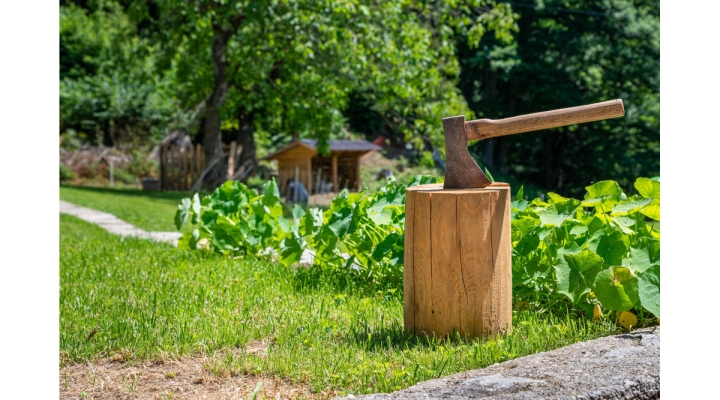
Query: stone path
x=623 y=366
x=115 y=225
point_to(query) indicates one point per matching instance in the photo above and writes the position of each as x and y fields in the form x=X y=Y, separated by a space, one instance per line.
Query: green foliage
x=601 y=249
x=66 y=173
x=295 y=64
x=570 y=53
x=359 y=237
x=110 y=90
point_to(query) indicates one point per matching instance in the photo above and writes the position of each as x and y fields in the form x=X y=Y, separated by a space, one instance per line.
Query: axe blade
x=461 y=171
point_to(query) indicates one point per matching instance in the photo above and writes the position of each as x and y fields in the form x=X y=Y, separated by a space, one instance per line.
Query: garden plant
x=600 y=254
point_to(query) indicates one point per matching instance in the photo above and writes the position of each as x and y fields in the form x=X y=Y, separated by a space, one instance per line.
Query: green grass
x=152 y=301
x=148 y=210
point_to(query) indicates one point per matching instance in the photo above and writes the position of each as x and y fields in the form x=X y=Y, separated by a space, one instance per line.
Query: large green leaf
x=182 y=213
x=537 y=266
x=555 y=198
x=385 y=248
x=652 y=210
x=653 y=247
x=557 y=213
x=638 y=261
x=603 y=195
x=340 y=222
x=610 y=247
x=386 y=204
x=292 y=250
x=649 y=290
x=521 y=227
x=604 y=189
x=196 y=208
x=228 y=198
x=188 y=241
x=631 y=205
x=226 y=236
x=527 y=244
x=208 y=218
x=312 y=221
x=616 y=288
x=625 y=224
x=271 y=193
x=576 y=272
x=517 y=206
x=648 y=188
x=643 y=255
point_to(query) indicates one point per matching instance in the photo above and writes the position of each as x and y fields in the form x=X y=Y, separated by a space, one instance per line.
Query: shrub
x=66 y=174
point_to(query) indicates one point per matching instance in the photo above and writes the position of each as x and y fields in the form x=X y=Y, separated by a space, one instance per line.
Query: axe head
x=461 y=171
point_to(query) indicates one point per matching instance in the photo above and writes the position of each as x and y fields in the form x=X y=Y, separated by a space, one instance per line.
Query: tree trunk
x=212 y=137
x=246 y=139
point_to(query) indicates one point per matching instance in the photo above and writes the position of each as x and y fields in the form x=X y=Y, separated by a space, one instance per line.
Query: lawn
x=150 y=301
x=148 y=210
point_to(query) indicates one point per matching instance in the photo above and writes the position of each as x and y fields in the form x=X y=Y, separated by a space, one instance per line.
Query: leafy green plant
x=598 y=251
x=601 y=250
x=359 y=237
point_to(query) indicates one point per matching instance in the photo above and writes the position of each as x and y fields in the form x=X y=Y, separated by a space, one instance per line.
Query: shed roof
x=345 y=145
x=362 y=146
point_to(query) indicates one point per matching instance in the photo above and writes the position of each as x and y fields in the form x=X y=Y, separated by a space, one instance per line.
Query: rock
x=615 y=367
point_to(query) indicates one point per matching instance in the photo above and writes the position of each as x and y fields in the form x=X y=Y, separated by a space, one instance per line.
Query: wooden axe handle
x=488 y=128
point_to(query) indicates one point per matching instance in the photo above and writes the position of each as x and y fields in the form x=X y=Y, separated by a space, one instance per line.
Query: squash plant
x=604 y=249
x=601 y=251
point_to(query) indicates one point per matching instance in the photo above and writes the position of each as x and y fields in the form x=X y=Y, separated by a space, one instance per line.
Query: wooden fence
x=180 y=166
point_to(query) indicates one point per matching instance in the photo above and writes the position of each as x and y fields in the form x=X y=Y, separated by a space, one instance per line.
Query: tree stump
x=458 y=267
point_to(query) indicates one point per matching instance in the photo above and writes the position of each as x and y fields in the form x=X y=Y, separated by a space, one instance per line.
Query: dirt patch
x=172 y=379
x=321 y=199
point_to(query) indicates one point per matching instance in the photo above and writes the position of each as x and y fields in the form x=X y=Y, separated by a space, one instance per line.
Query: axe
x=462 y=172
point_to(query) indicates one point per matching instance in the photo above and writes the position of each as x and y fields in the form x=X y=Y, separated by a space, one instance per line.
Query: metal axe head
x=462 y=172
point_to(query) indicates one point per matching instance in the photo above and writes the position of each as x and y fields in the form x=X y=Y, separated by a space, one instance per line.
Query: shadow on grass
x=394 y=337
x=391 y=338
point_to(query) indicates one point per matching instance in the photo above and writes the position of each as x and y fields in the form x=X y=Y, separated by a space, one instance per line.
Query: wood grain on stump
x=458 y=272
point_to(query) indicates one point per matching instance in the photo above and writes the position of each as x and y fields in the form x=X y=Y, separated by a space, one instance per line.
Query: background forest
x=260 y=73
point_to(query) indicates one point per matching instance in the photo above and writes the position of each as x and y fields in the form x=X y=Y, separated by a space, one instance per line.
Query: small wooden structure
x=341 y=168
x=458 y=250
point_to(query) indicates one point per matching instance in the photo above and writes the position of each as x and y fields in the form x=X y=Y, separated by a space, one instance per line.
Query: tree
x=290 y=66
x=569 y=53
x=109 y=89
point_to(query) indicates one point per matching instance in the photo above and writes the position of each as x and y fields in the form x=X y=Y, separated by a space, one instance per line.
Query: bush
x=66 y=174
x=141 y=167
x=125 y=177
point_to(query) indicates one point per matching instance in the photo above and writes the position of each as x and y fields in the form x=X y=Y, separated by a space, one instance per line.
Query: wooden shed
x=340 y=170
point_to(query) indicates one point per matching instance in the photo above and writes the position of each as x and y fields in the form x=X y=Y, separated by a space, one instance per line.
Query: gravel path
x=115 y=225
